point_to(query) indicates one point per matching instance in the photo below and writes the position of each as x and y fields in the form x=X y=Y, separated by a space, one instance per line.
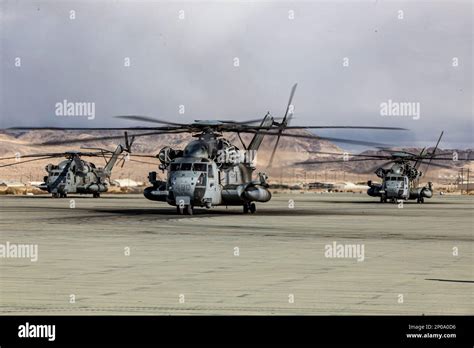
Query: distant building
x=320 y=185
x=466 y=186
x=126 y=183
x=6 y=183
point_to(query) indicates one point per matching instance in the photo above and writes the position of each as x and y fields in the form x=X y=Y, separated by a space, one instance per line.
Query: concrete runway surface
x=188 y=264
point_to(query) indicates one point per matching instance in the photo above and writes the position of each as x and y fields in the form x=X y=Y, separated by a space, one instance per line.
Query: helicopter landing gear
x=185 y=210
x=63 y=195
x=189 y=209
x=383 y=199
x=250 y=207
x=96 y=195
x=55 y=195
x=420 y=200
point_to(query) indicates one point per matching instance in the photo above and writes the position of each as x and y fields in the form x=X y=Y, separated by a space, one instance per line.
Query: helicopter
x=211 y=171
x=75 y=175
x=401 y=180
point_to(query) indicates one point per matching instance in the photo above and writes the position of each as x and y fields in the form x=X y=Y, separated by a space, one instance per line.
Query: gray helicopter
x=75 y=175
x=211 y=171
x=401 y=180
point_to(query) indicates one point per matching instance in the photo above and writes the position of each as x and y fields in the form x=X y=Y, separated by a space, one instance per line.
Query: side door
x=213 y=179
x=406 y=186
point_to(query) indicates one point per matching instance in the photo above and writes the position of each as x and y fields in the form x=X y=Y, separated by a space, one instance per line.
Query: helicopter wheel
x=420 y=200
x=96 y=195
x=63 y=195
x=55 y=195
x=246 y=208
x=253 y=208
x=189 y=209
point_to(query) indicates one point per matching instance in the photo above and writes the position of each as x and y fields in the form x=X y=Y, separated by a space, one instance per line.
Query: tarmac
x=300 y=254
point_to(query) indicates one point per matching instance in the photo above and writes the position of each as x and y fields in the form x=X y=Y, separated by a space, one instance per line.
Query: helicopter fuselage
x=397 y=187
x=66 y=178
x=201 y=176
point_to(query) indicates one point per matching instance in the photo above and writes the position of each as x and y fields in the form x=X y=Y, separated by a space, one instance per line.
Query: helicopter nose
x=183 y=186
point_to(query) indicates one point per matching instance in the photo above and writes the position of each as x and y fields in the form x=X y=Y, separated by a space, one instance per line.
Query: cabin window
x=201 y=181
x=210 y=171
x=180 y=166
x=199 y=167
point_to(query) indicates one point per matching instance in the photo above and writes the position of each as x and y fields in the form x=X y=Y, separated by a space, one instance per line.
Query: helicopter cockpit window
x=185 y=166
x=399 y=178
x=174 y=167
x=199 y=167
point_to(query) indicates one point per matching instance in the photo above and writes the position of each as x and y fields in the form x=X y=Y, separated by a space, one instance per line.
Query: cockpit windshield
x=180 y=166
x=185 y=166
x=197 y=167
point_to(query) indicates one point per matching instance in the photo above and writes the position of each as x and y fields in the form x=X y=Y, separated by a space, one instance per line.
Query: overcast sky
x=190 y=62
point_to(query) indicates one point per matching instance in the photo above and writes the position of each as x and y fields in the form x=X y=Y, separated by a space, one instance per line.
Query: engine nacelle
x=154 y=193
x=227 y=154
x=257 y=193
x=167 y=154
x=97 y=188
x=380 y=172
x=374 y=189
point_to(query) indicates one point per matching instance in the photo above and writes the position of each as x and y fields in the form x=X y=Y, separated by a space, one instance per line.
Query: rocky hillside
x=289 y=150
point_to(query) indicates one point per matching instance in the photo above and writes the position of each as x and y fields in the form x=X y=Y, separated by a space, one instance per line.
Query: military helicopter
x=211 y=171
x=401 y=180
x=75 y=175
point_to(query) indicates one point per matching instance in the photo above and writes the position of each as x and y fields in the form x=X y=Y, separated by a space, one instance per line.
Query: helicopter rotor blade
x=351 y=155
x=437 y=165
x=112 y=137
x=337 y=161
x=31 y=160
x=122 y=160
x=149 y=119
x=307 y=136
x=78 y=162
x=346 y=127
x=92 y=128
x=434 y=151
x=284 y=123
x=257 y=120
x=96 y=148
x=53 y=154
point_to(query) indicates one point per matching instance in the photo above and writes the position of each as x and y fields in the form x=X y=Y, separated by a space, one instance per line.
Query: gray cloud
x=190 y=62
